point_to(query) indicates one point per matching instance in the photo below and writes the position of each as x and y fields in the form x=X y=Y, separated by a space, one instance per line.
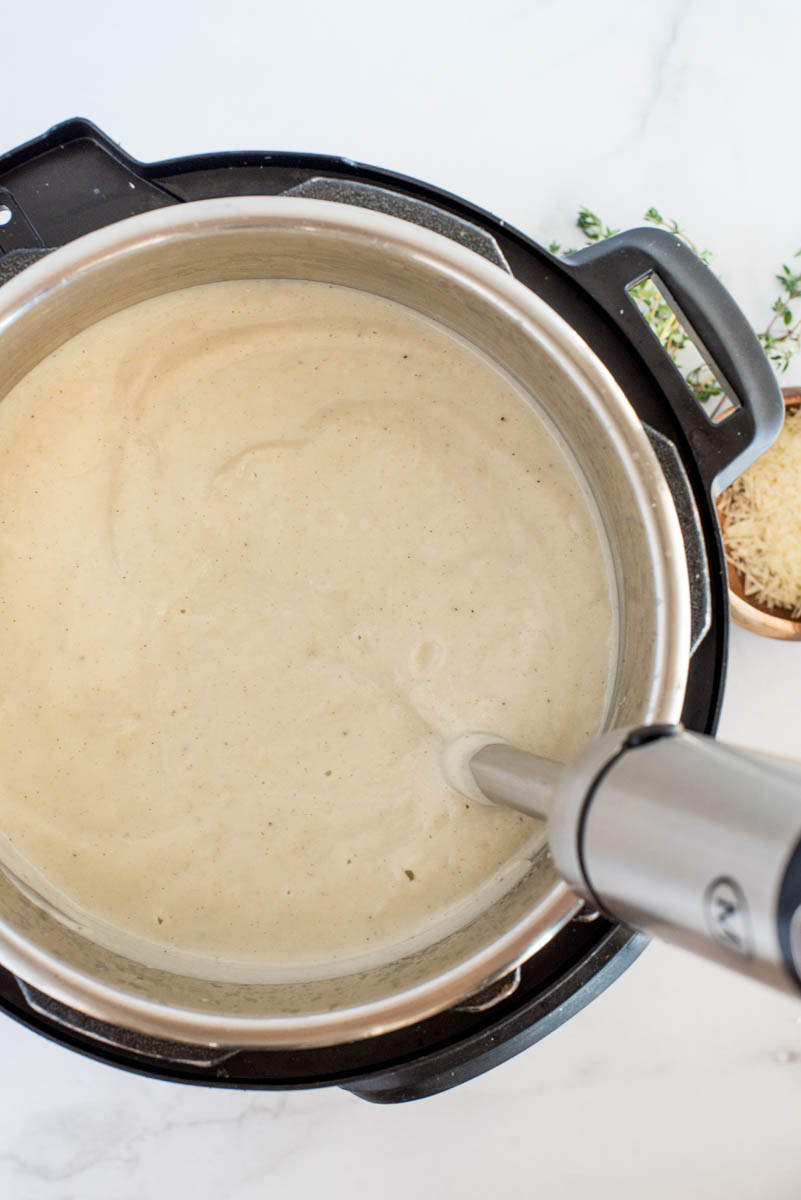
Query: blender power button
x=727 y=916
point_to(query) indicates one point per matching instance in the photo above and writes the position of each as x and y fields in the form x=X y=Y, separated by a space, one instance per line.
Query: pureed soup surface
x=264 y=545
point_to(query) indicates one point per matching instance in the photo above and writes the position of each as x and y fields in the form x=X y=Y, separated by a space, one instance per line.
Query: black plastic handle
x=723 y=449
x=68 y=182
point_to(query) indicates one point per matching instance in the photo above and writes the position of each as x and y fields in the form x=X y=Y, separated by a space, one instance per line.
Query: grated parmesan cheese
x=761 y=512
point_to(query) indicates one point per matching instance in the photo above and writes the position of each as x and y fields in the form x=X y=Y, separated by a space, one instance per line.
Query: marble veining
x=665 y=58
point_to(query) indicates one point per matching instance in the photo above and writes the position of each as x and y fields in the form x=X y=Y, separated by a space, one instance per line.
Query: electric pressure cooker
x=73 y=181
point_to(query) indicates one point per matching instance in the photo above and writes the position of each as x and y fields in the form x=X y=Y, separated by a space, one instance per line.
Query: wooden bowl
x=747 y=611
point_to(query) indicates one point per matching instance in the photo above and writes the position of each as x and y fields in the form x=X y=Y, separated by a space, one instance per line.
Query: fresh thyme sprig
x=781 y=339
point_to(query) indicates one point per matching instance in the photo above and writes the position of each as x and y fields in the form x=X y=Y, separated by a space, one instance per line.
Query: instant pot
x=647 y=447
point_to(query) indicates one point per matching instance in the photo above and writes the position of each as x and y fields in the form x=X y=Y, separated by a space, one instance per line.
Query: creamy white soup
x=264 y=545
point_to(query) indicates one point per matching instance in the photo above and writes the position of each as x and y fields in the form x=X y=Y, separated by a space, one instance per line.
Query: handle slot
x=649 y=291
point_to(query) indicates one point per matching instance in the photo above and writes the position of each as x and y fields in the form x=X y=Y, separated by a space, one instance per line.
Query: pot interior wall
x=610 y=451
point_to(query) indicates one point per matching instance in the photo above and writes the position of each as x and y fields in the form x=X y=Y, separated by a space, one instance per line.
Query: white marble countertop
x=680 y=1080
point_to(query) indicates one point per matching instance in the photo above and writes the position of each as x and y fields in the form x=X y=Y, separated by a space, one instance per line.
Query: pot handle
x=724 y=448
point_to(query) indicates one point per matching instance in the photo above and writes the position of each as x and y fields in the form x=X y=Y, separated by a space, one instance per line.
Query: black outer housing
x=73 y=180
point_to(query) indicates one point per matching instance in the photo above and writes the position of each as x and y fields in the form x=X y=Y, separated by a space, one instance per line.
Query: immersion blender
x=670 y=832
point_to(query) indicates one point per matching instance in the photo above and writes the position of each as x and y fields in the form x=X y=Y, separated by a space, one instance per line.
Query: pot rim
x=533 y=318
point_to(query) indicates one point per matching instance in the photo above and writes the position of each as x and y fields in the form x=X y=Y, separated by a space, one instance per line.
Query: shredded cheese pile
x=761 y=513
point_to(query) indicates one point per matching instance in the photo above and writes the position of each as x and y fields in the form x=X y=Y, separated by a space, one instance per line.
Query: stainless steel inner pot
x=301 y=238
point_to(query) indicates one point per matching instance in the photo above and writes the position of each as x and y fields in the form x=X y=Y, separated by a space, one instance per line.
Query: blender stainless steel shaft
x=673 y=833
